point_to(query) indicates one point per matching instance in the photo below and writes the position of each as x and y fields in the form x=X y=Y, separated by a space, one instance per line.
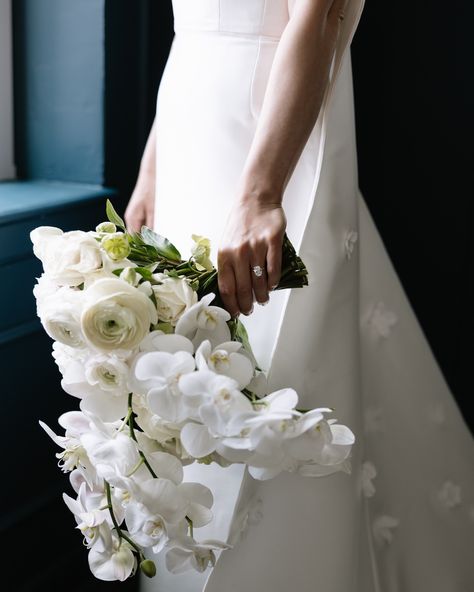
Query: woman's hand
x=253 y=235
x=141 y=207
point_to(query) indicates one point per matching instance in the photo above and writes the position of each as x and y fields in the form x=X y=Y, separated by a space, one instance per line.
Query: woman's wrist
x=258 y=189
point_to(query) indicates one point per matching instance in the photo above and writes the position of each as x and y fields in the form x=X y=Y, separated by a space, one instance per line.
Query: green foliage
x=113 y=216
x=164 y=247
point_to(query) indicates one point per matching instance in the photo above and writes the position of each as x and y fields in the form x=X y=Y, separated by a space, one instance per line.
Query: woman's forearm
x=148 y=164
x=293 y=97
x=141 y=206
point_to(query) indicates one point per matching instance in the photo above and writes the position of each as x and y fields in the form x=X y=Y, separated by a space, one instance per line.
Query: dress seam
x=252 y=82
x=253 y=36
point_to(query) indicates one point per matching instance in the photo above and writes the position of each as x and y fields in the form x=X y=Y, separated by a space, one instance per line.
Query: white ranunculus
x=67 y=257
x=116 y=315
x=44 y=289
x=60 y=315
x=108 y=373
x=174 y=296
x=100 y=380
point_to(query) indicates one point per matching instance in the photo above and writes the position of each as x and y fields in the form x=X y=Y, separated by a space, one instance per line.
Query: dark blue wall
x=59 y=89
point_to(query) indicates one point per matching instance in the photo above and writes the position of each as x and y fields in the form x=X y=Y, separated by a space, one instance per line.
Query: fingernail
x=236 y=315
x=249 y=311
x=274 y=286
x=264 y=303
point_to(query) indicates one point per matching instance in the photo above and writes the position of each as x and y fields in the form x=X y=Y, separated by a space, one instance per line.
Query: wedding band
x=258 y=271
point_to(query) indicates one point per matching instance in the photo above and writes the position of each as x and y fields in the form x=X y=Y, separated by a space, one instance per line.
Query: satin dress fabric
x=403 y=520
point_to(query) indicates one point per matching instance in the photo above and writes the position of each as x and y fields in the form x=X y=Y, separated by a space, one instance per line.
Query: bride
x=254 y=136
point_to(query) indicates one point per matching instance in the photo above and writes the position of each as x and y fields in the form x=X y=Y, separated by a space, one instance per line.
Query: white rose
x=173 y=296
x=60 y=315
x=116 y=315
x=67 y=257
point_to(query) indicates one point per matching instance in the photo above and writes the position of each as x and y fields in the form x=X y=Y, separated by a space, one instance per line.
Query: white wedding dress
x=403 y=520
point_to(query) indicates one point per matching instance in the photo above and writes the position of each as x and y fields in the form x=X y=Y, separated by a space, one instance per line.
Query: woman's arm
x=141 y=207
x=295 y=90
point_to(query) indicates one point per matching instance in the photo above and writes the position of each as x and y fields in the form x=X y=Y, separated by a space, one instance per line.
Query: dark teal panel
x=59 y=88
x=29 y=199
x=21 y=308
x=24 y=205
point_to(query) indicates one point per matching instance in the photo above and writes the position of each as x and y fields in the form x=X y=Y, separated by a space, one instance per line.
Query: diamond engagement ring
x=258 y=271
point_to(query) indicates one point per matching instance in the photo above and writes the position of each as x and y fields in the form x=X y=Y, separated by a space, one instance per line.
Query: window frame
x=7 y=164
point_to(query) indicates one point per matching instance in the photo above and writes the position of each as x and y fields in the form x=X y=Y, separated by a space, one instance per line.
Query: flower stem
x=121 y=535
x=131 y=425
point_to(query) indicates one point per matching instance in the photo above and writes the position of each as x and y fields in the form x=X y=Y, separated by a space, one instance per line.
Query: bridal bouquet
x=164 y=378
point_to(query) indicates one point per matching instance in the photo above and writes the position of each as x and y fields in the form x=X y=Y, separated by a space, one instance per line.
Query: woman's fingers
x=259 y=273
x=226 y=283
x=243 y=280
x=134 y=221
x=150 y=215
x=274 y=254
x=250 y=255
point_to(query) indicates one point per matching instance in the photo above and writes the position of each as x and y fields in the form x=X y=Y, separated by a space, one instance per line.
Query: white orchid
x=221 y=408
x=157 y=375
x=112 y=452
x=169 y=342
x=165 y=434
x=202 y=321
x=228 y=358
x=92 y=515
x=74 y=454
x=116 y=561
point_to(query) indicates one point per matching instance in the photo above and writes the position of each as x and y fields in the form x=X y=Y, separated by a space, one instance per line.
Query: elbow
x=325 y=13
x=336 y=11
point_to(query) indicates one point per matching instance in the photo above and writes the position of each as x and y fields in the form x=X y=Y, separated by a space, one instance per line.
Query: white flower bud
x=116 y=246
x=130 y=276
x=108 y=227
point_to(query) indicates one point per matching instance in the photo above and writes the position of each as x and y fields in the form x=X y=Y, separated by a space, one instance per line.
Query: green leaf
x=145 y=273
x=241 y=335
x=162 y=244
x=113 y=216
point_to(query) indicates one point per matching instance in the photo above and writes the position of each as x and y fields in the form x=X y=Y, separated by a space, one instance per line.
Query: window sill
x=20 y=200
